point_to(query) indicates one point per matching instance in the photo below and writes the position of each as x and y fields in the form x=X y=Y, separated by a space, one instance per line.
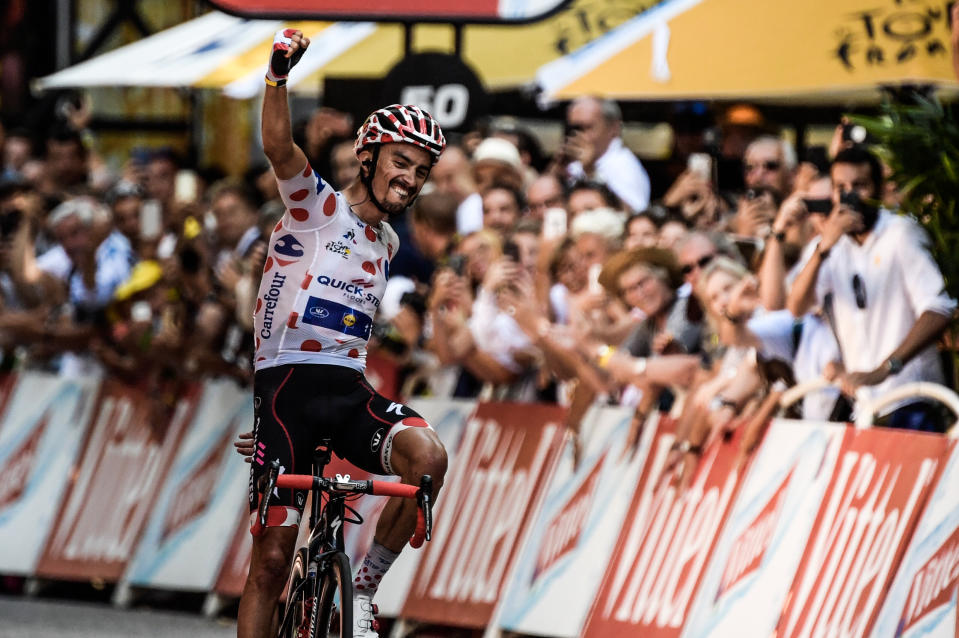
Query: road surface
x=22 y=617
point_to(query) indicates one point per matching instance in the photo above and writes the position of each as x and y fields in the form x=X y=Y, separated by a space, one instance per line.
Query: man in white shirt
x=593 y=149
x=888 y=296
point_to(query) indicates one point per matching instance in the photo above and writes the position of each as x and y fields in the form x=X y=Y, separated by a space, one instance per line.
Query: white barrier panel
x=750 y=571
x=922 y=601
x=194 y=517
x=40 y=440
x=560 y=568
x=448 y=417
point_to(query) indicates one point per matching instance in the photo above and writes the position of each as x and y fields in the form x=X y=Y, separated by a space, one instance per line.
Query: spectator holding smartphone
x=888 y=296
x=594 y=149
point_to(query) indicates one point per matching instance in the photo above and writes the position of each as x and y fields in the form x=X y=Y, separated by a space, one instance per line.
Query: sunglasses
x=702 y=262
x=771 y=165
x=859 y=289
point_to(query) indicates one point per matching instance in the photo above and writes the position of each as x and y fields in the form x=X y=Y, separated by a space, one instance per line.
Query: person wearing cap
x=495 y=161
x=594 y=149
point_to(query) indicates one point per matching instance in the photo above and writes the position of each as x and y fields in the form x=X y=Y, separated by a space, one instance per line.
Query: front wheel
x=335 y=578
x=300 y=598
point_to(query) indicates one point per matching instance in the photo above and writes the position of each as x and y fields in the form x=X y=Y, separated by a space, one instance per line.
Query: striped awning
x=214 y=51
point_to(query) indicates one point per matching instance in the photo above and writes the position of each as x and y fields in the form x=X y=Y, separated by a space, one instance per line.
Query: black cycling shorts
x=296 y=406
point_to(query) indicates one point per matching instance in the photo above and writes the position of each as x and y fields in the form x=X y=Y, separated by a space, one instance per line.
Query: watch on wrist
x=894 y=365
x=779 y=236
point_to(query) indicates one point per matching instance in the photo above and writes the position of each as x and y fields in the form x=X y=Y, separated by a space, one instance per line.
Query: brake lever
x=268 y=491
x=425 y=499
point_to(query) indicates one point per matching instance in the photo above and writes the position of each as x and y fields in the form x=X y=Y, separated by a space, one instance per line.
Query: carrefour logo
x=288 y=246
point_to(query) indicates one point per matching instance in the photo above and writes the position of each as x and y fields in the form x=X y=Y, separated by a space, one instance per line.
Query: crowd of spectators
x=569 y=278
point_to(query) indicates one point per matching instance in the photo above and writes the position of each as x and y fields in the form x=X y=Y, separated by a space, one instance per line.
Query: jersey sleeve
x=310 y=202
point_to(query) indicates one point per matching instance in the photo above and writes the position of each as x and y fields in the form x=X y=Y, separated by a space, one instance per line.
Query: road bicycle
x=320 y=575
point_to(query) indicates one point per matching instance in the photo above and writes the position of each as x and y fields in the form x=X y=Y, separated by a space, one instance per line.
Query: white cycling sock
x=371 y=571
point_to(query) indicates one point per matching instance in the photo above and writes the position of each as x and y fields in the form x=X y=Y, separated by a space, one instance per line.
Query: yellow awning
x=809 y=51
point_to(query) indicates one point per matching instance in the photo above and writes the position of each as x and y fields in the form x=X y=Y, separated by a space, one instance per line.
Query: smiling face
x=401 y=171
x=641 y=287
x=718 y=289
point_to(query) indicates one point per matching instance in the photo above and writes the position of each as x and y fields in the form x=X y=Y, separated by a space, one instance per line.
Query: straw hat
x=650 y=256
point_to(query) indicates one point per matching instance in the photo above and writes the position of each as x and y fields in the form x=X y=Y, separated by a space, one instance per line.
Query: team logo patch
x=377 y=439
x=338 y=248
x=335 y=316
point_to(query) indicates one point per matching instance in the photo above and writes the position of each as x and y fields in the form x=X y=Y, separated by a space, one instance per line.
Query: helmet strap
x=368 y=180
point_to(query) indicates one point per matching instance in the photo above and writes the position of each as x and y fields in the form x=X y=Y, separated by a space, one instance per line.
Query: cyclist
x=324 y=277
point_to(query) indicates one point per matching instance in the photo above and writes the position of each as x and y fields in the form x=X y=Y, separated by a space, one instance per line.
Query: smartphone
x=151 y=220
x=186 y=187
x=457 y=263
x=700 y=164
x=554 y=223
x=822 y=205
x=511 y=250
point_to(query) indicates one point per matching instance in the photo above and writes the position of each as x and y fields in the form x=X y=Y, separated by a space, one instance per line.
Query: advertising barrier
x=126 y=456
x=867 y=515
x=560 y=568
x=43 y=425
x=758 y=552
x=505 y=459
x=665 y=544
x=922 y=601
x=184 y=541
x=825 y=530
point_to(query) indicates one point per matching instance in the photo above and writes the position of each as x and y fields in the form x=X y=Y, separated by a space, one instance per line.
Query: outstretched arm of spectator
x=285 y=156
x=563 y=361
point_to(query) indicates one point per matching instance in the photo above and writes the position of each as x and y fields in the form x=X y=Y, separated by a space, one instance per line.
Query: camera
x=854 y=133
x=851 y=200
x=870 y=212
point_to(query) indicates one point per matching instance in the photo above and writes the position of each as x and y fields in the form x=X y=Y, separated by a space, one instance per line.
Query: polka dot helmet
x=401 y=123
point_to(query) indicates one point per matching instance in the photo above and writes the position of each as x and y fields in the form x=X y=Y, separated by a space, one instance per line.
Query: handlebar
x=422 y=494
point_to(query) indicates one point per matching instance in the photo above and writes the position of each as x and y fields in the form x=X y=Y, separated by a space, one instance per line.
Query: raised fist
x=288 y=47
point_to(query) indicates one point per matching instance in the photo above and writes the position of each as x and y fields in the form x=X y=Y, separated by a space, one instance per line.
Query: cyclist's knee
x=422 y=453
x=270 y=566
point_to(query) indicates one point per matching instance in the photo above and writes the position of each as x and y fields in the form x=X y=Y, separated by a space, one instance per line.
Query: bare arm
x=285 y=156
x=925 y=331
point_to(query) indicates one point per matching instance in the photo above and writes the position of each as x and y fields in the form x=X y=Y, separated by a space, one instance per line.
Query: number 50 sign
x=441 y=84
